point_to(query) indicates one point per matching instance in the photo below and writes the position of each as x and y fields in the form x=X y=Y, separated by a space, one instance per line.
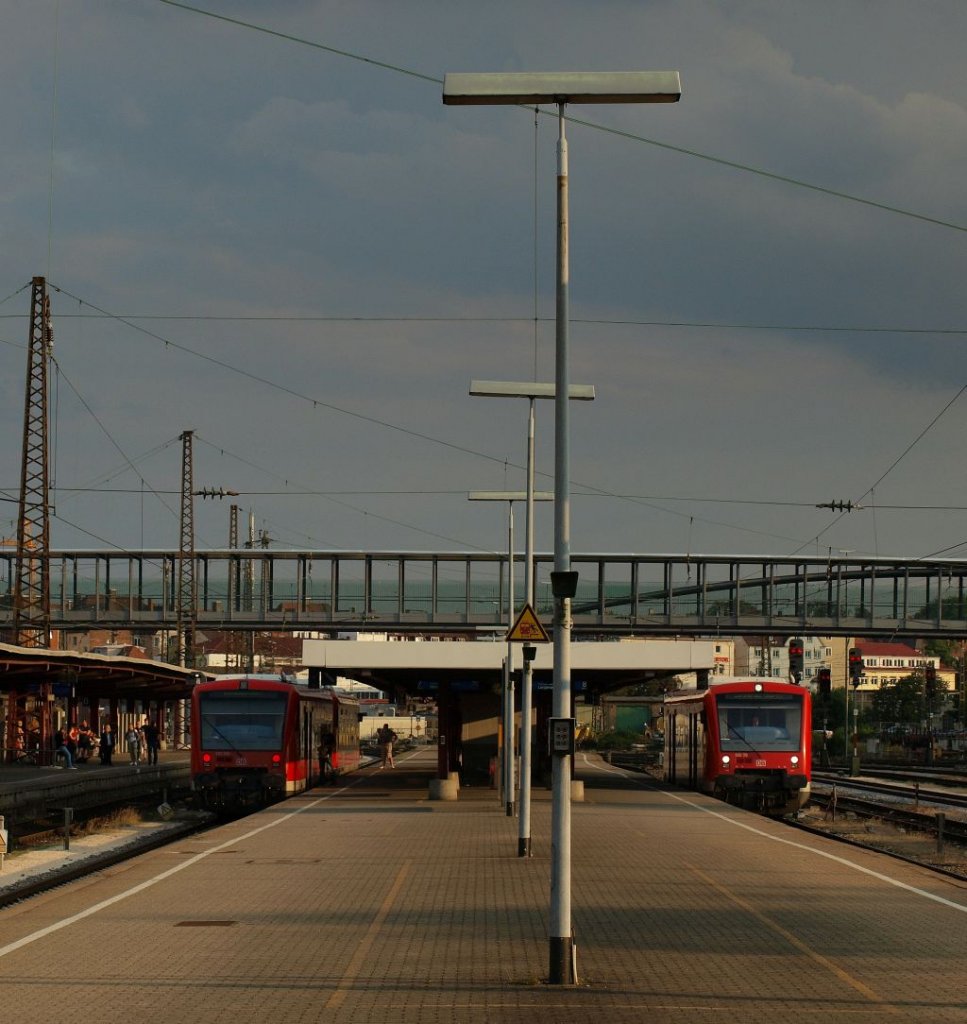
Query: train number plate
x=760 y=763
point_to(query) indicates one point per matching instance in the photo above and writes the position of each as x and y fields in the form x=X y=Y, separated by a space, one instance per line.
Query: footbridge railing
x=441 y=592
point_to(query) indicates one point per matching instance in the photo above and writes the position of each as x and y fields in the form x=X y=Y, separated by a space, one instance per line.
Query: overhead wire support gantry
x=32 y=594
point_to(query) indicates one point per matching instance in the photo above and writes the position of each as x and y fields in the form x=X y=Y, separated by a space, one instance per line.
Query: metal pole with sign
x=507 y=773
x=561 y=88
x=530 y=390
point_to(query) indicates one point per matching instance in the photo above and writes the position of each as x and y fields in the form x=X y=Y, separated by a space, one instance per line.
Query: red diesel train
x=256 y=739
x=748 y=742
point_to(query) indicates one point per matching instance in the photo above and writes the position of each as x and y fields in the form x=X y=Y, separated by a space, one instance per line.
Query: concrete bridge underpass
x=464 y=682
x=441 y=592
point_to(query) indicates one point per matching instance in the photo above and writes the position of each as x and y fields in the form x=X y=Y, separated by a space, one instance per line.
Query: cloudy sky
x=260 y=223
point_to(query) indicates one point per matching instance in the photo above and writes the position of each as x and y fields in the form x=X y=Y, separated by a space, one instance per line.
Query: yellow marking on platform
x=362 y=950
x=818 y=958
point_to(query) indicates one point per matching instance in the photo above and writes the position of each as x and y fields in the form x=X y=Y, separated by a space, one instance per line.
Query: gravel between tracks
x=882 y=835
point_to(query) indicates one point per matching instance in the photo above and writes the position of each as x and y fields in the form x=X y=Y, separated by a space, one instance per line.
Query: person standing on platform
x=132 y=739
x=385 y=736
x=152 y=741
x=327 y=747
x=73 y=737
x=85 y=742
x=107 y=745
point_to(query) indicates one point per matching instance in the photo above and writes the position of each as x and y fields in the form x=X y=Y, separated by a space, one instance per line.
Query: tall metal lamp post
x=507 y=753
x=530 y=390
x=561 y=88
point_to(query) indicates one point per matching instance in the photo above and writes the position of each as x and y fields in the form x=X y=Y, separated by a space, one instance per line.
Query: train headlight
x=794 y=760
x=726 y=760
x=276 y=759
x=758 y=687
x=206 y=758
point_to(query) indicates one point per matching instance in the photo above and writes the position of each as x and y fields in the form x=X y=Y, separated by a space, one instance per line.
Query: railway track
x=885 y=816
x=953 y=776
x=929 y=822
x=913 y=790
x=872 y=814
x=915 y=823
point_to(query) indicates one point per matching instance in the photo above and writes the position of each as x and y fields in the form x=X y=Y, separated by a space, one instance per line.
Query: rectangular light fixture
x=509 y=496
x=523 y=389
x=530 y=87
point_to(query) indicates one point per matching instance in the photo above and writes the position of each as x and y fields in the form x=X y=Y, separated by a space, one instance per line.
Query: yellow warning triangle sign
x=528 y=628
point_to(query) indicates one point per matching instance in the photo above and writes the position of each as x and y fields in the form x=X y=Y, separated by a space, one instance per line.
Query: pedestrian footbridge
x=419 y=592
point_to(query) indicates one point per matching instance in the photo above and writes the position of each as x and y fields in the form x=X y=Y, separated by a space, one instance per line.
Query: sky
x=260 y=223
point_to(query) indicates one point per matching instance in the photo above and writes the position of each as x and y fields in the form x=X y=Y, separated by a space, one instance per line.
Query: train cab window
x=234 y=722
x=760 y=722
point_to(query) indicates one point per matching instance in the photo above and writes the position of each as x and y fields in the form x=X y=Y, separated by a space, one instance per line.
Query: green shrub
x=620 y=740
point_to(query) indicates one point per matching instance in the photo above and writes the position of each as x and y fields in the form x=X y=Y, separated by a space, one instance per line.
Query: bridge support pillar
x=444 y=789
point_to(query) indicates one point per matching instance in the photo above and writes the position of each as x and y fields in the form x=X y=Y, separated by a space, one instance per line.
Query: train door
x=306 y=744
x=671 y=726
x=693 y=751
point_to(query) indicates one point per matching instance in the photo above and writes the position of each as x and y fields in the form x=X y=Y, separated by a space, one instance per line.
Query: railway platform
x=366 y=901
x=27 y=789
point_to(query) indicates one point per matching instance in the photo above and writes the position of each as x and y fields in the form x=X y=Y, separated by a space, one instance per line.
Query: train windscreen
x=241 y=721
x=760 y=721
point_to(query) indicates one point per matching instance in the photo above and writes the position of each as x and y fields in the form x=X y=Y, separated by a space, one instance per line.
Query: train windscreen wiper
x=218 y=732
x=740 y=736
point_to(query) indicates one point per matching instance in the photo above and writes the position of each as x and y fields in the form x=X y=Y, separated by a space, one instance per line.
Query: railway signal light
x=855 y=665
x=930 y=688
x=796 y=657
x=825 y=683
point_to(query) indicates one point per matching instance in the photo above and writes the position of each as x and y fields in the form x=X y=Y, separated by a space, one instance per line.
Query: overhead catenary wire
x=319 y=403
x=891 y=467
x=349 y=318
x=114 y=442
x=583 y=122
x=443 y=492
x=292 y=392
x=336 y=501
x=398 y=69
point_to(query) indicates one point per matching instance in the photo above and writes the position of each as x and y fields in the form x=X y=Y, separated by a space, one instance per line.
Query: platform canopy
x=101 y=675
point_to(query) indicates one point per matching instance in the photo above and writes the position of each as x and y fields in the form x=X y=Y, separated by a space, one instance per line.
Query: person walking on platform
x=61 y=749
x=132 y=739
x=385 y=736
x=152 y=741
x=107 y=745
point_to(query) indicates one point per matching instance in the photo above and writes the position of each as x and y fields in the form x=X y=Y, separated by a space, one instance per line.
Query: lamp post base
x=561 y=961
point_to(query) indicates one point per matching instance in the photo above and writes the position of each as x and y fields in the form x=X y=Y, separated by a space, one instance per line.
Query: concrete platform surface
x=27 y=791
x=368 y=902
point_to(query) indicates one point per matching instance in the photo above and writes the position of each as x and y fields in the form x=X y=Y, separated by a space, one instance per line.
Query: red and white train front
x=748 y=742
x=253 y=741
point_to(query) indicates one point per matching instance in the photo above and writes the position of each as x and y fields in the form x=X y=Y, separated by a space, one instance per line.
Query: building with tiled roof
x=885 y=663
